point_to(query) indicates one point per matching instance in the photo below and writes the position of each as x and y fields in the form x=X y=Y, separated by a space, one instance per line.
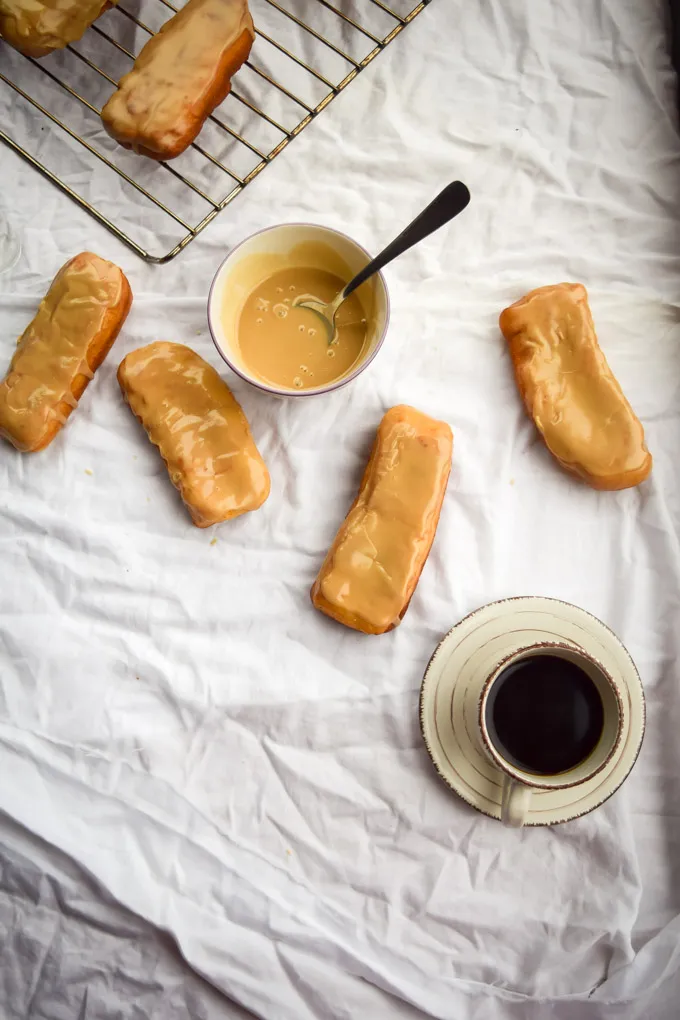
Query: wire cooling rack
x=306 y=52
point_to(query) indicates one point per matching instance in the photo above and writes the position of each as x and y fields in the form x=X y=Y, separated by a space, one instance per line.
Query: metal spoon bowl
x=448 y=203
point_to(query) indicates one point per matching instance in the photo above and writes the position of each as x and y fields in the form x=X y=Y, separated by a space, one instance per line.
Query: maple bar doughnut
x=202 y=434
x=38 y=27
x=61 y=349
x=179 y=77
x=373 y=566
x=570 y=391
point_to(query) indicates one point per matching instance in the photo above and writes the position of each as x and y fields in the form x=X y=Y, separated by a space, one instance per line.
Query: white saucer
x=449 y=702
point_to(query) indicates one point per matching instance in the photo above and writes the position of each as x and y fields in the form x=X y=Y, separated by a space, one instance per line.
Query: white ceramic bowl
x=282 y=247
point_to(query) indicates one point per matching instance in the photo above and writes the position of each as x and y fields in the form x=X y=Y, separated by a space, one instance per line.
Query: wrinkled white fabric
x=244 y=773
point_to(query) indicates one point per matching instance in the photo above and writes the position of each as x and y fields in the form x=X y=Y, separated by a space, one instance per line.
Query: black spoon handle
x=448 y=203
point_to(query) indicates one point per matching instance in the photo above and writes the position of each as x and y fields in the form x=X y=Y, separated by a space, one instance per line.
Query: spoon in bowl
x=448 y=203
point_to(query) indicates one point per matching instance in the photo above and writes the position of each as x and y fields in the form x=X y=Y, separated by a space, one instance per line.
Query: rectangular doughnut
x=38 y=27
x=179 y=77
x=373 y=566
x=202 y=434
x=61 y=349
x=570 y=391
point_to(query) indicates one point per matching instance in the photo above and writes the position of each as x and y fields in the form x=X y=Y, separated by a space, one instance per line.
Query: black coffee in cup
x=544 y=714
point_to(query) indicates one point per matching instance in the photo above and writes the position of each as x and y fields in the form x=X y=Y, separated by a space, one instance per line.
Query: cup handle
x=515 y=803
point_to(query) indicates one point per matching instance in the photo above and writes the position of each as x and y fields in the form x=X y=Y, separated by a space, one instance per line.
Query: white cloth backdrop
x=242 y=772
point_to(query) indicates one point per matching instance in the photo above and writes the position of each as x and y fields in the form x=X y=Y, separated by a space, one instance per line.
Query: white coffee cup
x=519 y=783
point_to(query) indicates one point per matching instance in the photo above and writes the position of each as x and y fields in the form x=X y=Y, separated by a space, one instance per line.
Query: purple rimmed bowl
x=283 y=247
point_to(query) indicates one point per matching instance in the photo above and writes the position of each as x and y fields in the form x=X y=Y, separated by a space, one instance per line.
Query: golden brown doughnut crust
x=61 y=349
x=38 y=27
x=181 y=75
x=570 y=391
x=202 y=434
x=373 y=566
